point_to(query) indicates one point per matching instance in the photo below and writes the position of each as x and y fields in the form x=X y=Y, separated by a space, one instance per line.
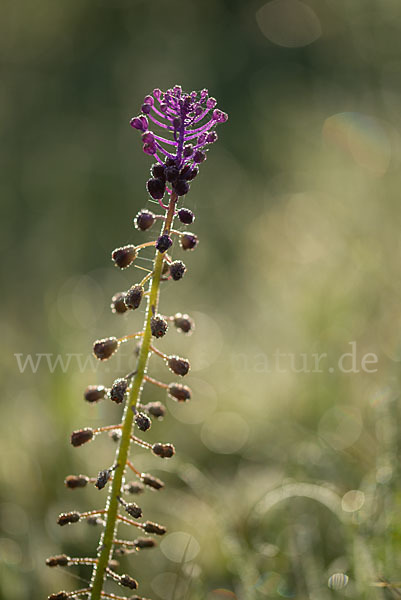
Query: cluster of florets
x=189 y=121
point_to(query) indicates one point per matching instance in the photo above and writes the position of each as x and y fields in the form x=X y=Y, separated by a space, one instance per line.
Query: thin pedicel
x=188 y=122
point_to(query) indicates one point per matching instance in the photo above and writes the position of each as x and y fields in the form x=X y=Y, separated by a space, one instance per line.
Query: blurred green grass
x=298 y=215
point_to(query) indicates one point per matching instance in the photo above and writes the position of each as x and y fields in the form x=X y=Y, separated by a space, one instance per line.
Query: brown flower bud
x=179 y=366
x=163 y=450
x=117 y=303
x=151 y=527
x=134 y=296
x=118 y=390
x=142 y=421
x=144 y=220
x=67 y=518
x=133 y=509
x=184 y=323
x=81 y=436
x=189 y=241
x=58 y=596
x=94 y=393
x=124 y=256
x=158 y=326
x=103 y=478
x=179 y=392
x=105 y=348
x=128 y=582
x=134 y=487
x=144 y=542
x=186 y=216
x=76 y=481
x=61 y=560
x=156 y=409
x=177 y=270
x=151 y=481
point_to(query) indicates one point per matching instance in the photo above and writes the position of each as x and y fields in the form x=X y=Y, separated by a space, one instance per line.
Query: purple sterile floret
x=148 y=137
x=140 y=123
x=183 y=117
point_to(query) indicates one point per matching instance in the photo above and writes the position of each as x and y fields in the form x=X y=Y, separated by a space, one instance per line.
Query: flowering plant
x=189 y=122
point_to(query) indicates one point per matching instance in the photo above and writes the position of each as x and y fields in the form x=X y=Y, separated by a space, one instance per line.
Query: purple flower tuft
x=187 y=123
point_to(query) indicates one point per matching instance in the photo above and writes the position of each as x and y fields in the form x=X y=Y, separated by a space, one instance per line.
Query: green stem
x=106 y=540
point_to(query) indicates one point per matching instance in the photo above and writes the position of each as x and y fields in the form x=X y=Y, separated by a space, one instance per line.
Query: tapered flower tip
x=105 y=348
x=144 y=220
x=141 y=123
x=124 y=256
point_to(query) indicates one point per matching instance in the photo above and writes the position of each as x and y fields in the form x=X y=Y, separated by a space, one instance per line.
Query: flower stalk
x=106 y=541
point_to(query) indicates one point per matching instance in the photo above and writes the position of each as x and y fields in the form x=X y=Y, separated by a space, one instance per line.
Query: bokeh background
x=287 y=481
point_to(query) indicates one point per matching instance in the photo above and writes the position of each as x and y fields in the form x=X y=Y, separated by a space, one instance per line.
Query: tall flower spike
x=176 y=129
